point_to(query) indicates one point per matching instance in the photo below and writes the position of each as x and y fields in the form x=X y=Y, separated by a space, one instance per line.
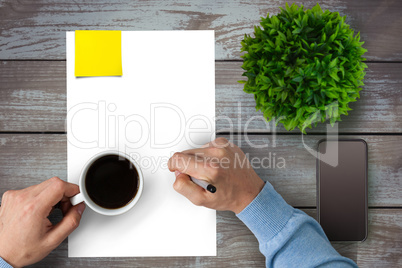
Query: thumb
x=67 y=225
x=184 y=186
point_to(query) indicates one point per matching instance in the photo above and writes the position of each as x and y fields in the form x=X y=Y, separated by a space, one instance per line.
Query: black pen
x=207 y=186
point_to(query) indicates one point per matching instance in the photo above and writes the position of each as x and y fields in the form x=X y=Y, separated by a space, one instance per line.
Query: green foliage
x=303 y=66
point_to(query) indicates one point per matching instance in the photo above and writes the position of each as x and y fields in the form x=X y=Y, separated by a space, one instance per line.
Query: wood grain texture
x=377 y=110
x=28 y=159
x=383 y=245
x=33 y=98
x=32 y=92
x=237 y=247
x=35 y=29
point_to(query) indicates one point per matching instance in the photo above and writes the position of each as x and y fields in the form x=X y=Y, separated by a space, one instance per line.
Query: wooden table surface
x=33 y=112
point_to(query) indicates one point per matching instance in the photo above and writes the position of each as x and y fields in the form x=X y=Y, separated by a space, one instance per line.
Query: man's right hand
x=222 y=164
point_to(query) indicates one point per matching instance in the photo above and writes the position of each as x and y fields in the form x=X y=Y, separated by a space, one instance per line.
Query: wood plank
x=296 y=182
x=383 y=244
x=33 y=98
x=36 y=29
x=28 y=159
x=238 y=247
x=377 y=110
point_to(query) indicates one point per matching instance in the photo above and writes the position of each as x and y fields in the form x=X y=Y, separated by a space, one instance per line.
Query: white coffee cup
x=84 y=197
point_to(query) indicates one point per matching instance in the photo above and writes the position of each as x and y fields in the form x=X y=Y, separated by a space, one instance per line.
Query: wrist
x=267 y=214
x=248 y=197
x=8 y=257
x=6 y=263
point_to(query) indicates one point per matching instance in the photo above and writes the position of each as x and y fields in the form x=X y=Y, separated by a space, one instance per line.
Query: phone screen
x=342 y=189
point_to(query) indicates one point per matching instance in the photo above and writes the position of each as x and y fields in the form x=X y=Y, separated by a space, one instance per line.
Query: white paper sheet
x=164 y=102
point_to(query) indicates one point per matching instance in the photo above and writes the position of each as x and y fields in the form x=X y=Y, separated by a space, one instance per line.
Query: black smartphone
x=342 y=208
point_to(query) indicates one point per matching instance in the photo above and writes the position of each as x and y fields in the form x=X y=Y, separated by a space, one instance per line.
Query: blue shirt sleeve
x=4 y=264
x=288 y=237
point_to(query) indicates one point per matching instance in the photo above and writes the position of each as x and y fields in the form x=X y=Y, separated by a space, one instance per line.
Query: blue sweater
x=4 y=264
x=287 y=236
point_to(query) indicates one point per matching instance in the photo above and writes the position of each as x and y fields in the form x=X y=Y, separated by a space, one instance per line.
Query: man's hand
x=222 y=164
x=26 y=234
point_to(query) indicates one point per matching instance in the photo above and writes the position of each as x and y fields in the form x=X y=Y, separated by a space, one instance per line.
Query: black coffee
x=112 y=181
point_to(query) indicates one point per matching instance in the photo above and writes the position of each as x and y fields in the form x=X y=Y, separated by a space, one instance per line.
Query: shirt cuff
x=4 y=264
x=267 y=214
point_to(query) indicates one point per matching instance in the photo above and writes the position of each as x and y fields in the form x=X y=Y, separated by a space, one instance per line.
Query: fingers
x=56 y=190
x=209 y=148
x=197 y=151
x=65 y=205
x=184 y=186
x=188 y=164
x=220 y=142
x=66 y=226
x=202 y=163
x=35 y=190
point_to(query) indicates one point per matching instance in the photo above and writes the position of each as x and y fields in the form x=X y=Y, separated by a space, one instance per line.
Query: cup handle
x=76 y=199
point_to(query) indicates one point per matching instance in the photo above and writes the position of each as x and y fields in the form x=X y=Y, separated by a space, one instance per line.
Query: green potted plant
x=303 y=66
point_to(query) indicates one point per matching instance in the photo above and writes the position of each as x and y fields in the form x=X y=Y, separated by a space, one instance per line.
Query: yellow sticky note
x=98 y=53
